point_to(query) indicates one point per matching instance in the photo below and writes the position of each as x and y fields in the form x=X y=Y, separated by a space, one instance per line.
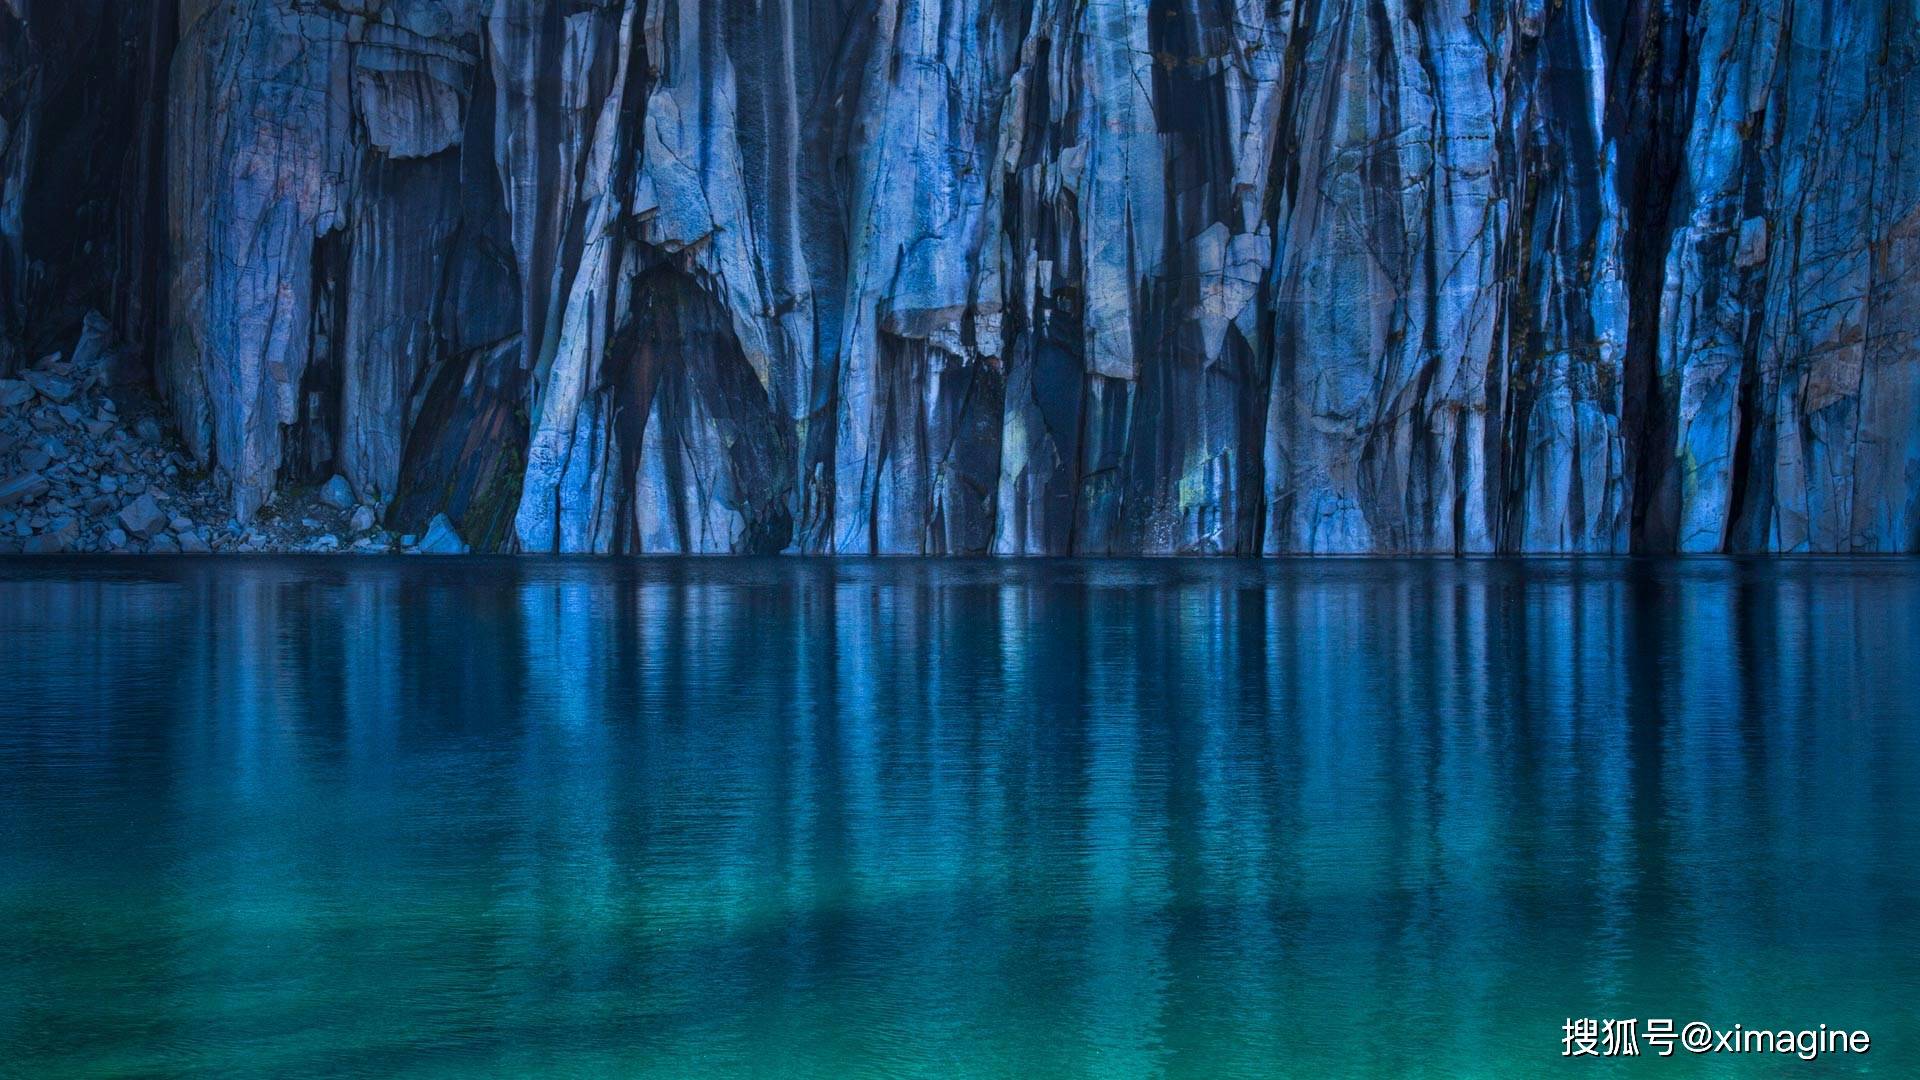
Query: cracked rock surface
x=971 y=276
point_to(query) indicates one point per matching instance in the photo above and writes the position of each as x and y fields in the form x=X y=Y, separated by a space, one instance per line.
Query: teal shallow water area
x=790 y=818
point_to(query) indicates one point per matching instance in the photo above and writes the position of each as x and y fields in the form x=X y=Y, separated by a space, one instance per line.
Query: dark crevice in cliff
x=137 y=303
x=1652 y=113
x=19 y=102
x=467 y=448
x=83 y=86
x=312 y=441
x=467 y=425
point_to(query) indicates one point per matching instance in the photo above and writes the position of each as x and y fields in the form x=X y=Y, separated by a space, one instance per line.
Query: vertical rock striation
x=1016 y=276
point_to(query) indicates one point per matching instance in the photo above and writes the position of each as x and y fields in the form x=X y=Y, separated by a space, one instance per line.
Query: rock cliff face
x=1017 y=276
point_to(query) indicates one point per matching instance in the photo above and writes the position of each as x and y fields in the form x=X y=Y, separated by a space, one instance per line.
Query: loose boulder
x=52 y=385
x=441 y=539
x=143 y=517
x=96 y=336
x=337 y=493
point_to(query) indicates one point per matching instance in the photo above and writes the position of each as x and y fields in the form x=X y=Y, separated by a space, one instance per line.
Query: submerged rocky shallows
x=1011 y=276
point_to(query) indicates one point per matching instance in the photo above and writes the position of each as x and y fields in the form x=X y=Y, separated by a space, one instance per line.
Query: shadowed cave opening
x=707 y=461
x=92 y=224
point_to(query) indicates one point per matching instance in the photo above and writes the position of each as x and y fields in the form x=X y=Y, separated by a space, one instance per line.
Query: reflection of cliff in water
x=854 y=818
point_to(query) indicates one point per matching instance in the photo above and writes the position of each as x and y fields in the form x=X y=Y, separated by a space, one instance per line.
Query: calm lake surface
x=289 y=817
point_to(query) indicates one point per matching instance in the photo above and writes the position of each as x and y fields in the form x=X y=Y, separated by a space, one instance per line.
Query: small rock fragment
x=363 y=519
x=56 y=538
x=22 y=488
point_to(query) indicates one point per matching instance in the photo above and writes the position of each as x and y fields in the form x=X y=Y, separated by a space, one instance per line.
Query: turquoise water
x=847 y=819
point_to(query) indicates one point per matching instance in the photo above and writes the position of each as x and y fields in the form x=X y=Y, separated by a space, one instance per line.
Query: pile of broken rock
x=88 y=465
